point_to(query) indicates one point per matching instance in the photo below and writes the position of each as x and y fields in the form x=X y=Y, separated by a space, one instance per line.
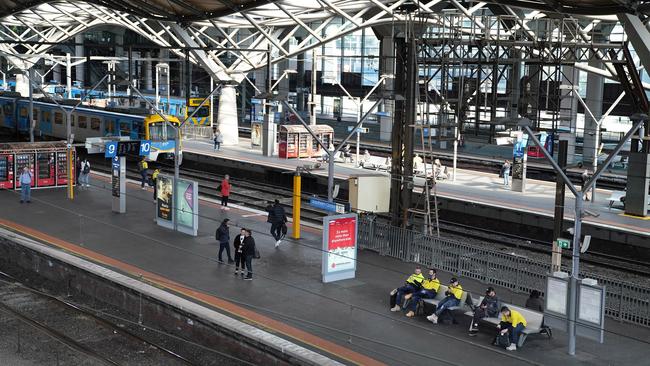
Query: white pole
x=211 y=103
x=453 y=179
x=314 y=71
x=68 y=75
x=358 y=132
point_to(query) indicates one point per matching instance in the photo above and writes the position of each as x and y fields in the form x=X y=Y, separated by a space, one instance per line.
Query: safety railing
x=624 y=301
x=191 y=132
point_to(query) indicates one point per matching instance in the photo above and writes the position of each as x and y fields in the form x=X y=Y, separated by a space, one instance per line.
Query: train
x=88 y=122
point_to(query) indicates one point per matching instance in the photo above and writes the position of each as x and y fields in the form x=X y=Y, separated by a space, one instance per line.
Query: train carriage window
x=46 y=116
x=23 y=112
x=58 y=118
x=36 y=114
x=82 y=121
x=72 y=120
x=8 y=109
x=95 y=123
x=108 y=128
x=125 y=128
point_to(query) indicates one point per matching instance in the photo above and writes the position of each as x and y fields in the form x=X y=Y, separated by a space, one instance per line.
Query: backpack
x=501 y=340
x=86 y=168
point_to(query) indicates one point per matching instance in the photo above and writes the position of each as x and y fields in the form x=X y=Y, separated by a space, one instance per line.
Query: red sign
x=341 y=233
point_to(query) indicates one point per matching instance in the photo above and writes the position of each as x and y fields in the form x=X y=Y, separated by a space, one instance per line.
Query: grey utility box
x=369 y=192
x=638 y=181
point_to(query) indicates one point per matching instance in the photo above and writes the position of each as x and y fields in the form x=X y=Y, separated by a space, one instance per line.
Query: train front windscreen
x=157 y=131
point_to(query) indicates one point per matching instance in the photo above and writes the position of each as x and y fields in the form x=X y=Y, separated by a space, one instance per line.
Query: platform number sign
x=564 y=243
x=111 y=149
x=145 y=147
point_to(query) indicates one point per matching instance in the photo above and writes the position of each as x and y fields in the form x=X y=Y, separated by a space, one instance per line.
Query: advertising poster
x=256 y=134
x=339 y=247
x=165 y=191
x=187 y=206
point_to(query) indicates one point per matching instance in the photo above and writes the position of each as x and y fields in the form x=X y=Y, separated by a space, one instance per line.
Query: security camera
x=570 y=230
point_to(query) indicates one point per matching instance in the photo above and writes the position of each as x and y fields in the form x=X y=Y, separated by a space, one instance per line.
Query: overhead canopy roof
x=174 y=10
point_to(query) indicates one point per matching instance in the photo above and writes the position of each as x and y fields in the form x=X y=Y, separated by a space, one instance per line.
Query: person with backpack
x=277 y=218
x=488 y=308
x=413 y=284
x=513 y=324
x=238 y=244
x=429 y=290
x=248 y=252
x=223 y=237
x=217 y=137
x=453 y=295
x=224 y=187
x=84 y=176
x=143 y=168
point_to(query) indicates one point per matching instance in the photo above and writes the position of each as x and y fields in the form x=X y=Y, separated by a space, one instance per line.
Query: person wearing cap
x=223 y=237
x=453 y=295
x=514 y=323
x=488 y=308
x=413 y=284
x=429 y=290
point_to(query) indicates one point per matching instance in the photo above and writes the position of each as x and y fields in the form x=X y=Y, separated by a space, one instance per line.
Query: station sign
x=359 y=129
x=563 y=243
x=124 y=148
x=325 y=205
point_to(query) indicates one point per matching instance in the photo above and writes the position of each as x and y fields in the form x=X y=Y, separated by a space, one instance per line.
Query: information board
x=339 y=247
x=187 y=206
x=590 y=307
x=556 y=295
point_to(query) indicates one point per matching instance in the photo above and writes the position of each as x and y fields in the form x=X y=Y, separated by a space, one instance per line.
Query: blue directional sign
x=116 y=163
x=145 y=147
x=111 y=149
x=325 y=205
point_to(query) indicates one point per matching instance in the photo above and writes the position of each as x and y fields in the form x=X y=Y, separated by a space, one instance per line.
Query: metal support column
x=556 y=256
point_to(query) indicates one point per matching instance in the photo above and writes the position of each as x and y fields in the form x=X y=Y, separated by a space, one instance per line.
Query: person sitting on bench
x=512 y=322
x=429 y=290
x=488 y=308
x=452 y=299
x=413 y=284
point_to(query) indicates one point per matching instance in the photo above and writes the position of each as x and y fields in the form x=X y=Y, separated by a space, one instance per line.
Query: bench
x=376 y=163
x=616 y=196
x=465 y=298
x=534 y=321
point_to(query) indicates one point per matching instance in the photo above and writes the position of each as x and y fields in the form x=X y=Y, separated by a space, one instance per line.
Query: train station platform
x=478 y=188
x=347 y=320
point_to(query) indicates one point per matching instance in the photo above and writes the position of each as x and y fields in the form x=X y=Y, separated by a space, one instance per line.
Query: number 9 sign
x=145 y=147
x=111 y=149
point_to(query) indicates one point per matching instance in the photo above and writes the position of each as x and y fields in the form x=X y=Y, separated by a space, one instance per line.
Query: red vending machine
x=6 y=171
x=24 y=160
x=62 y=168
x=45 y=169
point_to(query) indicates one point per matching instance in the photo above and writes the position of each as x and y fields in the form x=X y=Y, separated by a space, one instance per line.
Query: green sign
x=563 y=243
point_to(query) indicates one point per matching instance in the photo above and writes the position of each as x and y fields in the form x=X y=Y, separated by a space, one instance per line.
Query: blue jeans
x=515 y=332
x=143 y=174
x=84 y=179
x=406 y=289
x=422 y=294
x=225 y=246
x=506 y=177
x=249 y=266
x=447 y=302
x=25 y=192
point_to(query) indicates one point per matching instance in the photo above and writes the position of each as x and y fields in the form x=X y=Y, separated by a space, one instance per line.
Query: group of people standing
x=244 y=247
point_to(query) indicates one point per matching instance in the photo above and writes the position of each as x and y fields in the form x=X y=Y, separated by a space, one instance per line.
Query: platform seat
x=465 y=299
x=376 y=163
x=616 y=196
x=534 y=321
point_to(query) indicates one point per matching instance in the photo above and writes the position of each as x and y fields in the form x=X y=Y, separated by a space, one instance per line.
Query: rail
x=192 y=132
x=624 y=301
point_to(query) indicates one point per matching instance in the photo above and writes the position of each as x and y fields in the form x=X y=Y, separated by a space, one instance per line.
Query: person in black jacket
x=277 y=218
x=535 y=302
x=488 y=308
x=248 y=252
x=238 y=243
x=223 y=237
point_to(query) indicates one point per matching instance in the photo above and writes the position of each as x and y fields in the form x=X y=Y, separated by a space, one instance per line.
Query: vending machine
x=45 y=169
x=6 y=171
x=24 y=160
x=62 y=168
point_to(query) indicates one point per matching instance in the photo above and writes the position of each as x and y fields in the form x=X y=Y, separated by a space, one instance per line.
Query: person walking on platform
x=512 y=322
x=585 y=178
x=238 y=244
x=143 y=168
x=413 y=284
x=452 y=299
x=26 y=185
x=224 y=187
x=223 y=237
x=248 y=252
x=84 y=177
x=77 y=169
x=154 y=180
x=488 y=308
x=505 y=173
x=217 y=137
x=277 y=218
x=429 y=290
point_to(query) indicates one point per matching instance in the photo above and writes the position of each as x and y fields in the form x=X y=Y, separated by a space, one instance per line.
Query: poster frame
x=337 y=275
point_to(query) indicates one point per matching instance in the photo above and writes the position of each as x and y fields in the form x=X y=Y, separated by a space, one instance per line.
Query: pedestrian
x=585 y=178
x=77 y=169
x=26 y=185
x=223 y=237
x=277 y=218
x=488 y=308
x=535 y=302
x=224 y=187
x=84 y=177
x=249 y=252
x=143 y=168
x=513 y=324
x=217 y=137
x=505 y=173
x=154 y=180
x=238 y=244
x=452 y=299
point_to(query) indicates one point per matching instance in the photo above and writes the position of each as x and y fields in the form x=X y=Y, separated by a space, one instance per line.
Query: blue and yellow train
x=89 y=122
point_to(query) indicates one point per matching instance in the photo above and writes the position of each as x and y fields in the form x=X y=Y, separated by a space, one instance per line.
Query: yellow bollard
x=296 y=206
x=70 y=157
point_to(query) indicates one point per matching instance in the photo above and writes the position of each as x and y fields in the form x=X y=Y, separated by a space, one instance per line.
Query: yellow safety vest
x=457 y=291
x=514 y=318
x=433 y=284
x=415 y=279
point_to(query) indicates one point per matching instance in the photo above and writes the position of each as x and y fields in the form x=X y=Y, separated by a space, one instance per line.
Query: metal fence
x=192 y=132
x=624 y=301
